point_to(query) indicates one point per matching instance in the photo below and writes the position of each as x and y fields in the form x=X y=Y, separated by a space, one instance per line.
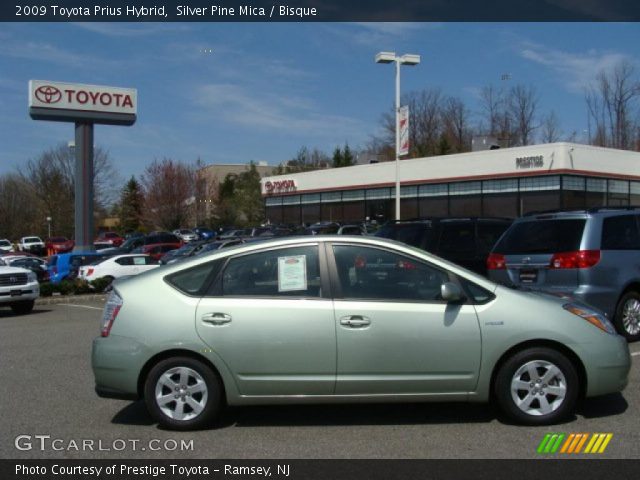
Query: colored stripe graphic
x=550 y=442
x=574 y=443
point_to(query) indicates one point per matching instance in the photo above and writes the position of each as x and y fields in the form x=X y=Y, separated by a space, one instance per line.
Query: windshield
x=542 y=236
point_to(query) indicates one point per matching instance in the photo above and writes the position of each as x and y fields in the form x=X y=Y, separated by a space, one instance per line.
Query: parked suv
x=19 y=289
x=66 y=265
x=593 y=255
x=465 y=241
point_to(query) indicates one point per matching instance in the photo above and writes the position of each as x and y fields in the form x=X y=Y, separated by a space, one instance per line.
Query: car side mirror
x=451 y=292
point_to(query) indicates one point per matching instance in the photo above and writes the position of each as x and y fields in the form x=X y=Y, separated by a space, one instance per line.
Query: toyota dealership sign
x=74 y=101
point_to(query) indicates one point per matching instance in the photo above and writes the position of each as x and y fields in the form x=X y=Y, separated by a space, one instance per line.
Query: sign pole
x=84 y=188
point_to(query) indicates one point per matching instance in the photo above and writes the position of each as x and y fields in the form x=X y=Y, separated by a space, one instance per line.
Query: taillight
x=89 y=272
x=496 y=261
x=111 y=309
x=577 y=259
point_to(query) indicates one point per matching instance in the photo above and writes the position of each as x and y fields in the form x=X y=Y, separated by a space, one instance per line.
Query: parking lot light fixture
x=406 y=59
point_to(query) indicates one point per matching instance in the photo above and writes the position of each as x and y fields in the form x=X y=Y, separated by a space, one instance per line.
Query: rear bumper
x=116 y=362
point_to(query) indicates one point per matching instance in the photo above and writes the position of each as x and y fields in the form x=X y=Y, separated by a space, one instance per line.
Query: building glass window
x=352 y=195
x=531 y=184
x=465 y=206
x=410 y=191
x=539 y=201
x=634 y=188
x=408 y=208
x=291 y=200
x=573 y=183
x=436 y=190
x=311 y=213
x=500 y=186
x=378 y=194
x=596 y=195
x=273 y=201
x=500 y=205
x=618 y=194
x=465 y=188
x=310 y=198
x=328 y=197
x=353 y=212
x=290 y=214
x=433 y=207
x=332 y=212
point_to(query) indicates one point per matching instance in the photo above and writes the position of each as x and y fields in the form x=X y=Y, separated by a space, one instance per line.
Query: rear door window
x=457 y=239
x=542 y=236
x=620 y=233
x=414 y=234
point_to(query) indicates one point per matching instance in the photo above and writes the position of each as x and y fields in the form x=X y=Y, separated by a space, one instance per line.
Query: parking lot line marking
x=635 y=354
x=80 y=306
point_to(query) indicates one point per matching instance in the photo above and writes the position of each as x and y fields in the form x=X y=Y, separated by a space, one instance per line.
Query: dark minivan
x=465 y=241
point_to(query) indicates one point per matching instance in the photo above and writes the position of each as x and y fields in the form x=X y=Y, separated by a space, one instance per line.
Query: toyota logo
x=48 y=94
x=13 y=279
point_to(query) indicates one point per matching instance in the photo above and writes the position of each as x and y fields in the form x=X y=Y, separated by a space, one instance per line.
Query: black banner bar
x=531 y=469
x=318 y=10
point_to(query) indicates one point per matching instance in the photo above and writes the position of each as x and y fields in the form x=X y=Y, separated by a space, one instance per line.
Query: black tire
x=211 y=405
x=558 y=407
x=619 y=321
x=22 y=308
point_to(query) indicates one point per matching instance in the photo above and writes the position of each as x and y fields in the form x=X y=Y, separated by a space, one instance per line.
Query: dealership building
x=505 y=182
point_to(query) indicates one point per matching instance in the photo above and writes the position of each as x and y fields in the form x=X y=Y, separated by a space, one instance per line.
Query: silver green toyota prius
x=346 y=319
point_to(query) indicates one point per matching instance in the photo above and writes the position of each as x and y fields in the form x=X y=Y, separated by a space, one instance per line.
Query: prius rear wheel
x=183 y=393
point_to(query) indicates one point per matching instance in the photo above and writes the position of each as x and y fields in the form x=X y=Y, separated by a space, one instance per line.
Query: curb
x=56 y=299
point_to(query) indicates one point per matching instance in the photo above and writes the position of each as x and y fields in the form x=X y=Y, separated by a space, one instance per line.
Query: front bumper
x=117 y=362
x=607 y=365
x=19 y=293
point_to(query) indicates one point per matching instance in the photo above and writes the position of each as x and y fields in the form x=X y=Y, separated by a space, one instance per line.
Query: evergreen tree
x=338 y=158
x=131 y=205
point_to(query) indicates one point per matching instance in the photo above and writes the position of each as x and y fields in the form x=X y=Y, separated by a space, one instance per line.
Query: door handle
x=355 y=321
x=216 y=318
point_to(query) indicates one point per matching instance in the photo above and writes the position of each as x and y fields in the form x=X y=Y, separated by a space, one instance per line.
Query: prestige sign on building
x=74 y=101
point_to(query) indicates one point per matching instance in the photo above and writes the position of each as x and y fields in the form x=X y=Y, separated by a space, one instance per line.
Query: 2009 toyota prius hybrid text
x=346 y=319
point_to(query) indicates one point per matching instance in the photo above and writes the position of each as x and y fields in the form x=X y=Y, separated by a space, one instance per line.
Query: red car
x=55 y=245
x=157 y=250
x=111 y=238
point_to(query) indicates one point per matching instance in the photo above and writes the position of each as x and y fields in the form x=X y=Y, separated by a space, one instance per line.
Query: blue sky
x=266 y=89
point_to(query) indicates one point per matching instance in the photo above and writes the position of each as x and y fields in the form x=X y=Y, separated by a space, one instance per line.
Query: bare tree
x=19 y=213
x=169 y=190
x=522 y=105
x=51 y=176
x=492 y=104
x=551 y=131
x=456 y=122
x=612 y=107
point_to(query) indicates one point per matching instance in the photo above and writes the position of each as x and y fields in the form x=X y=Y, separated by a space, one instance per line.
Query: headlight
x=31 y=277
x=592 y=316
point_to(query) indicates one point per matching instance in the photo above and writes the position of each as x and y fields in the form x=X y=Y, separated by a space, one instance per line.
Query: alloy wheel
x=181 y=393
x=538 y=388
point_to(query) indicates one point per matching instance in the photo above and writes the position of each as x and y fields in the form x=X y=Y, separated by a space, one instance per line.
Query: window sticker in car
x=292 y=273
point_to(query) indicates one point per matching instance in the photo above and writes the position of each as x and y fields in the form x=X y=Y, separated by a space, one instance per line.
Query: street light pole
x=406 y=59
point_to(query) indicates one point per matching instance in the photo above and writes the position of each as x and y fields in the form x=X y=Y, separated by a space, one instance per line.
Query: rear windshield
x=542 y=236
x=409 y=233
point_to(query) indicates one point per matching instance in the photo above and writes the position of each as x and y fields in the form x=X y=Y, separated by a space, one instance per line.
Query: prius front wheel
x=537 y=386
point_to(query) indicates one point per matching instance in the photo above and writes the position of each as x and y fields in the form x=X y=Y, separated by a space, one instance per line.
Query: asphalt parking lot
x=48 y=390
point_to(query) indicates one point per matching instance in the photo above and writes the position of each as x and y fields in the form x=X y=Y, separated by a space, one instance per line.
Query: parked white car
x=6 y=246
x=185 y=235
x=19 y=289
x=118 y=266
x=31 y=245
